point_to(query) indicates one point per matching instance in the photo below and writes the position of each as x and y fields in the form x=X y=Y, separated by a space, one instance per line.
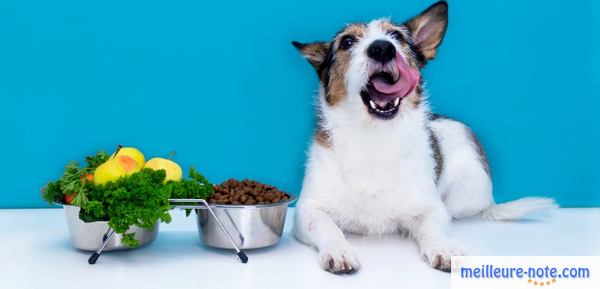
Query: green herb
x=52 y=193
x=140 y=199
x=72 y=181
x=197 y=187
x=95 y=161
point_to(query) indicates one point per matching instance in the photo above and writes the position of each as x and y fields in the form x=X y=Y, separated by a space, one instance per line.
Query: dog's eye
x=396 y=35
x=347 y=42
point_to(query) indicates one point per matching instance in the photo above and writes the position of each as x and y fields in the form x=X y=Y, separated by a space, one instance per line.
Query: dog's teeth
x=373 y=106
x=397 y=101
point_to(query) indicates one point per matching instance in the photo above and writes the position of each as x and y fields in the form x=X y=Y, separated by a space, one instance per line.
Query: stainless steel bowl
x=89 y=236
x=251 y=227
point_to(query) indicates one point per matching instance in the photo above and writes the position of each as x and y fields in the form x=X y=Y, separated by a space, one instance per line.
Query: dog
x=380 y=161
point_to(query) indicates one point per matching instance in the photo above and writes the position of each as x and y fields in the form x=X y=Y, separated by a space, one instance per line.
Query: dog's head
x=376 y=66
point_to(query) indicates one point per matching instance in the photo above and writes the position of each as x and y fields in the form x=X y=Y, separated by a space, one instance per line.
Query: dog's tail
x=516 y=209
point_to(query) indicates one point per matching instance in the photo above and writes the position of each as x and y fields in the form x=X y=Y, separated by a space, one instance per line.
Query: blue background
x=220 y=83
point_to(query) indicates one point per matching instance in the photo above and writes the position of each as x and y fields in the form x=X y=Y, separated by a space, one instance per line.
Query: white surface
x=35 y=252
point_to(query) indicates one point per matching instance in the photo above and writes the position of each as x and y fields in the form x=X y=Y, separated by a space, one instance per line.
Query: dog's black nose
x=381 y=50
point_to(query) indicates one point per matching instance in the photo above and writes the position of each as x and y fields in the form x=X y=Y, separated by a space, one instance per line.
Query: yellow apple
x=172 y=169
x=114 y=168
x=133 y=153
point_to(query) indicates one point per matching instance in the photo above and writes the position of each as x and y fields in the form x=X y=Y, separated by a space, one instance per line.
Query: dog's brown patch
x=480 y=152
x=355 y=29
x=437 y=154
x=322 y=137
x=415 y=99
x=412 y=59
x=387 y=26
x=335 y=80
x=336 y=87
x=314 y=52
x=472 y=138
x=331 y=63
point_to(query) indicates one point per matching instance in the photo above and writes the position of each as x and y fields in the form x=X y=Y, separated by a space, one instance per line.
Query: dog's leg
x=316 y=228
x=429 y=231
x=320 y=196
x=465 y=183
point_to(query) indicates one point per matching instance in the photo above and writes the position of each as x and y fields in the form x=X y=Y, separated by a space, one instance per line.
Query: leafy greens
x=140 y=199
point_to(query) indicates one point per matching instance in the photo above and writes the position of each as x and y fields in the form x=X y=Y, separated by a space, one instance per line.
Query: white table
x=36 y=253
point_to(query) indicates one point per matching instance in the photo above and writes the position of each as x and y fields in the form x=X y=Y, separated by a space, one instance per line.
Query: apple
x=114 y=168
x=172 y=169
x=133 y=153
x=88 y=177
x=85 y=177
x=69 y=198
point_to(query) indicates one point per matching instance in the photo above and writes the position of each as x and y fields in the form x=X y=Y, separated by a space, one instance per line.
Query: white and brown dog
x=380 y=161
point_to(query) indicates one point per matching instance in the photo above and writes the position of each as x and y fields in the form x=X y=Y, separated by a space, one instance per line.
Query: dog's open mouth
x=381 y=104
x=386 y=88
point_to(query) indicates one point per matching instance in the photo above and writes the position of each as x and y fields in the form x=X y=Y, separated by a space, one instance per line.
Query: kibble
x=246 y=192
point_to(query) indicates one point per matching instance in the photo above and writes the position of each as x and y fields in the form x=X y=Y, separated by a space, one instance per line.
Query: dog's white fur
x=378 y=177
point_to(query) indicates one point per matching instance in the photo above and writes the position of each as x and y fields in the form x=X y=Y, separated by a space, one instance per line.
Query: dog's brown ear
x=315 y=52
x=428 y=28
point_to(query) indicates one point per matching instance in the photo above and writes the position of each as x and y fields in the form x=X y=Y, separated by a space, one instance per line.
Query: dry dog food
x=246 y=192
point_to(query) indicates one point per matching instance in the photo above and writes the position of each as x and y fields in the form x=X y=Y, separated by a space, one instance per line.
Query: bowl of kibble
x=253 y=213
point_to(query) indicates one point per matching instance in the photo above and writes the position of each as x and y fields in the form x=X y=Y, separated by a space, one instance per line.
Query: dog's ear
x=428 y=28
x=315 y=52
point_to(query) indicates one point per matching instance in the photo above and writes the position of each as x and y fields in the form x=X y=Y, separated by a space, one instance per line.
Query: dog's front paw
x=438 y=254
x=339 y=259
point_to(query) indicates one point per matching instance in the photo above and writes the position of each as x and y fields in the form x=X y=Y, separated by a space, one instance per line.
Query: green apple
x=172 y=169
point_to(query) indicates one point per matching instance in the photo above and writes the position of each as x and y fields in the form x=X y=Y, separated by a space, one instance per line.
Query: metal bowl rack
x=176 y=204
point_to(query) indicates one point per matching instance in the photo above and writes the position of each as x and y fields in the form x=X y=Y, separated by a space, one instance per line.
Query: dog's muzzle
x=386 y=87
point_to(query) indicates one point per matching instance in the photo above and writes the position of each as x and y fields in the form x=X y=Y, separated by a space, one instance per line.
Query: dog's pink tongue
x=409 y=77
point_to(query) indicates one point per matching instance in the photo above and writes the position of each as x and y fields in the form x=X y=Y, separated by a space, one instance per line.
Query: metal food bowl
x=89 y=236
x=250 y=227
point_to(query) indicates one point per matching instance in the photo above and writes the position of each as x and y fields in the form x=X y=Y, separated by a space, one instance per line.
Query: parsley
x=71 y=183
x=140 y=199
